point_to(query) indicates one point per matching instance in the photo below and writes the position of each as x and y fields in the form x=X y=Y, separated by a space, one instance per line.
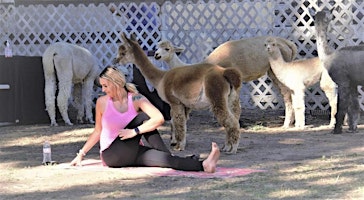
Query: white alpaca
x=297 y=76
x=247 y=55
x=68 y=64
x=167 y=52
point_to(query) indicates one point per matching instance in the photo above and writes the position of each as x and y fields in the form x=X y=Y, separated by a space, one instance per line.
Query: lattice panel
x=203 y=26
x=31 y=29
x=199 y=26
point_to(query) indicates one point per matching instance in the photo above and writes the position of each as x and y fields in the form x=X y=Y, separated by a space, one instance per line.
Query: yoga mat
x=221 y=172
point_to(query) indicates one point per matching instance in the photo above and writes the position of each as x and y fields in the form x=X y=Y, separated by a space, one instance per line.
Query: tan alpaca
x=297 y=76
x=200 y=86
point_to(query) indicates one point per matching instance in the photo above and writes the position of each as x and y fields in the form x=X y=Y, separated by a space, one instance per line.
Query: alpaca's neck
x=149 y=71
x=175 y=62
x=276 y=60
x=323 y=48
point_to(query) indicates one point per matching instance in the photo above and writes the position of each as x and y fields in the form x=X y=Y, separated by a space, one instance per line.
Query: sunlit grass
x=257 y=128
x=63 y=137
x=288 y=193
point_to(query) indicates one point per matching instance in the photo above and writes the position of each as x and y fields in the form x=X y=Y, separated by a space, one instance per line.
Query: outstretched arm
x=93 y=138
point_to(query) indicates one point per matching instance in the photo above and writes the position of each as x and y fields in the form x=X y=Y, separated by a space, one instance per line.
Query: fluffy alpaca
x=68 y=64
x=247 y=55
x=200 y=86
x=346 y=68
x=297 y=76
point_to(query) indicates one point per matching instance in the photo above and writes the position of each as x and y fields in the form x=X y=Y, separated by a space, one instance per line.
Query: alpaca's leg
x=87 y=90
x=226 y=118
x=78 y=101
x=289 y=111
x=342 y=105
x=50 y=98
x=64 y=72
x=234 y=134
x=178 y=114
x=62 y=100
x=353 y=109
x=234 y=103
x=231 y=125
x=173 y=134
x=187 y=112
x=329 y=87
x=298 y=102
x=286 y=93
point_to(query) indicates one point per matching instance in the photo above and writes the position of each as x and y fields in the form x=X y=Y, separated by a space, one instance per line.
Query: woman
x=122 y=117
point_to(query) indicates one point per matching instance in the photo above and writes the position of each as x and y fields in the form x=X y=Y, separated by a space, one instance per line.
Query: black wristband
x=137 y=130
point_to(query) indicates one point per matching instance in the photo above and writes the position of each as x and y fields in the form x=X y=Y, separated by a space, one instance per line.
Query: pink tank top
x=112 y=121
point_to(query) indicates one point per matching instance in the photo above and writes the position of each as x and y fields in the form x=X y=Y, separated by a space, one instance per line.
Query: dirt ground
x=308 y=164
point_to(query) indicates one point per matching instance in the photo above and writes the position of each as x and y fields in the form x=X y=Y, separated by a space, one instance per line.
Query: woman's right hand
x=77 y=160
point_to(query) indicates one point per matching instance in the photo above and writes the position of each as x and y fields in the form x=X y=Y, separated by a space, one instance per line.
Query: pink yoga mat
x=221 y=172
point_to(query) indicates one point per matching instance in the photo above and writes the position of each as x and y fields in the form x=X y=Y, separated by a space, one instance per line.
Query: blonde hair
x=113 y=75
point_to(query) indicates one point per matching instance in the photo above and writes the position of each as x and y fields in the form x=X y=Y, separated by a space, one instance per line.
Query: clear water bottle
x=47 y=153
x=8 y=51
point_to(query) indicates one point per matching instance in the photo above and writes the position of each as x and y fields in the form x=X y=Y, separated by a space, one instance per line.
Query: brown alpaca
x=203 y=86
x=297 y=75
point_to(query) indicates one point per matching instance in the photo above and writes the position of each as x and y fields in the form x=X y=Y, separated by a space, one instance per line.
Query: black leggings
x=123 y=153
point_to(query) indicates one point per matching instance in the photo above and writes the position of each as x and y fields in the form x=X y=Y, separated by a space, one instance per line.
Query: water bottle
x=47 y=152
x=8 y=51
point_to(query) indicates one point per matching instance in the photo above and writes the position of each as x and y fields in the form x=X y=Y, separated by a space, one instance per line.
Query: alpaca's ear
x=123 y=37
x=327 y=11
x=178 y=49
x=133 y=37
x=312 y=11
x=331 y=14
x=332 y=10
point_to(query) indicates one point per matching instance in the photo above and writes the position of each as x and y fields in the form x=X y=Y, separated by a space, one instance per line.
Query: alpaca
x=186 y=88
x=69 y=65
x=297 y=76
x=167 y=52
x=247 y=55
x=346 y=68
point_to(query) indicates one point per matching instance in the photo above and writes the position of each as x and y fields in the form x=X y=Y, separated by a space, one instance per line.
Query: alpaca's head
x=126 y=50
x=322 y=21
x=166 y=51
x=271 y=45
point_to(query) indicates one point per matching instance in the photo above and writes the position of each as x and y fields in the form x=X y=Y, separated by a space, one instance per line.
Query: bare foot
x=209 y=165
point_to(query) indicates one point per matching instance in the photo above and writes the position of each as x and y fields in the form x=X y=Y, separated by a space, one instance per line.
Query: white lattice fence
x=199 y=26
x=31 y=29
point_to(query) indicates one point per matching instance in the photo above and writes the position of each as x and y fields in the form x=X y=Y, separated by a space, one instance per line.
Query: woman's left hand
x=126 y=134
